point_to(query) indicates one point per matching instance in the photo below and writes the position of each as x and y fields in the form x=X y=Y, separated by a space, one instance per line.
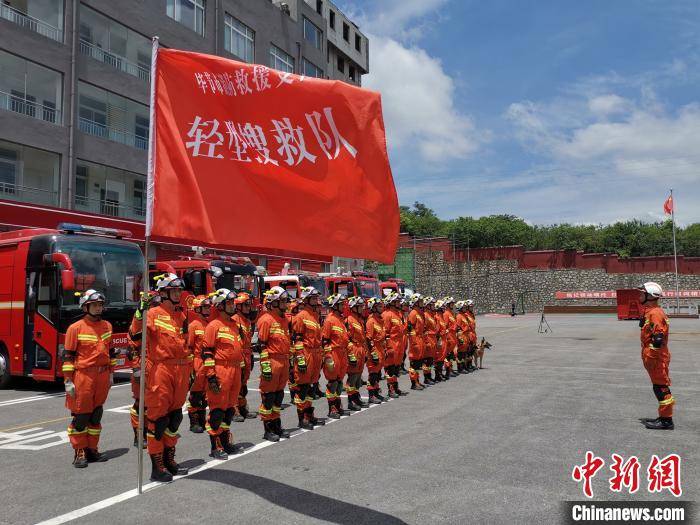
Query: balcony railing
x=99 y=130
x=110 y=207
x=29 y=108
x=115 y=61
x=33 y=24
x=15 y=192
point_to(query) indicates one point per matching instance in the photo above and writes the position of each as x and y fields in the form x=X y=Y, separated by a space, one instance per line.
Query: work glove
x=352 y=359
x=330 y=364
x=301 y=363
x=266 y=370
x=192 y=378
x=70 y=388
x=146 y=300
x=375 y=357
x=214 y=385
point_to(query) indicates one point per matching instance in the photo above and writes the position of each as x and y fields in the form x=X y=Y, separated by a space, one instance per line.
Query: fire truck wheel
x=4 y=368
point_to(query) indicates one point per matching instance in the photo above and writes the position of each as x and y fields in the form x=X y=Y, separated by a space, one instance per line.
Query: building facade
x=74 y=90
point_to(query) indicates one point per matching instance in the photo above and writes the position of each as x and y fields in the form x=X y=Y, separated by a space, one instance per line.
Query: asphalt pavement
x=495 y=446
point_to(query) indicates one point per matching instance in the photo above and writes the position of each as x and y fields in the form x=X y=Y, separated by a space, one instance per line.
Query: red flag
x=668 y=205
x=249 y=156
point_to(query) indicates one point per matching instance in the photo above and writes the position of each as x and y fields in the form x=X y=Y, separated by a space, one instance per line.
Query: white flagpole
x=147 y=247
x=675 y=253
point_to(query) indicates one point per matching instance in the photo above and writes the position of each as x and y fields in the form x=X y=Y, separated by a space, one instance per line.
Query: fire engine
x=41 y=270
x=366 y=285
x=393 y=285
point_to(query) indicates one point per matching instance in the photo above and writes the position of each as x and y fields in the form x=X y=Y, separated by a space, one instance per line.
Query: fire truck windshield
x=239 y=283
x=113 y=268
x=317 y=282
x=368 y=288
x=344 y=289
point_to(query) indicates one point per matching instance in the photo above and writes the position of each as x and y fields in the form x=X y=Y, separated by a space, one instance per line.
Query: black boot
x=663 y=423
x=373 y=399
x=360 y=402
x=80 y=459
x=304 y=422
x=217 y=449
x=158 y=471
x=170 y=463
x=313 y=419
x=195 y=423
x=352 y=405
x=247 y=414
x=93 y=456
x=238 y=416
x=281 y=432
x=227 y=443
x=270 y=433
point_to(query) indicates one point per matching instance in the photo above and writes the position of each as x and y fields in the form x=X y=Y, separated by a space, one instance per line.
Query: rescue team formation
x=207 y=350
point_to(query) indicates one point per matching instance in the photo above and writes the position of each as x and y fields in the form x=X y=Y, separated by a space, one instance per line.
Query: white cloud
x=605 y=105
x=419 y=102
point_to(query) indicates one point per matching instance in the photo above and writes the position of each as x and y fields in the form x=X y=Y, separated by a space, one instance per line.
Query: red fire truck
x=393 y=285
x=40 y=272
x=366 y=285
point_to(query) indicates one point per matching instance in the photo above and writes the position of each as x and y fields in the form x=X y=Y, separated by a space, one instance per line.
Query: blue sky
x=555 y=110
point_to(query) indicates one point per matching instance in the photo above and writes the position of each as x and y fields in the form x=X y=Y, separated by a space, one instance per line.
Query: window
x=28 y=174
x=109 y=191
x=358 y=42
x=239 y=39
x=30 y=89
x=351 y=73
x=312 y=34
x=341 y=64
x=319 y=7
x=280 y=60
x=105 y=114
x=311 y=70
x=114 y=44
x=346 y=32
x=41 y=16
x=331 y=19
x=190 y=13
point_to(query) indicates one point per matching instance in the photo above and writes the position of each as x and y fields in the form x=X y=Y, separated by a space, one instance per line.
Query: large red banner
x=253 y=157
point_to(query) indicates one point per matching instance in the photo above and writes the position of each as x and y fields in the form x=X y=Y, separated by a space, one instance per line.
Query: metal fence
x=29 y=108
x=33 y=24
x=100 y=130
x=115 y=61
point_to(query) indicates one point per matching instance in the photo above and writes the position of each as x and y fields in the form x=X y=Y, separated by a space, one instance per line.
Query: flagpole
x=147 y=247
x=675 y=253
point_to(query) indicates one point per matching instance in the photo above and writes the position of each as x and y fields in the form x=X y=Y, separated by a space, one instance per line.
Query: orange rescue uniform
x=656 y=356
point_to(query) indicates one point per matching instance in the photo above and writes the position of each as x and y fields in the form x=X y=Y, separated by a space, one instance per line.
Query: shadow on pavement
x=115 y=453
x=298 y=500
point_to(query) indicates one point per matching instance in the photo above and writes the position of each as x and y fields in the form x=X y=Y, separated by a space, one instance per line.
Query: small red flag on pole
x=668 y=205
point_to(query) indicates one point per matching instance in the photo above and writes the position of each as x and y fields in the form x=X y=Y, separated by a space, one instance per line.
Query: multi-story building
x=74 y=91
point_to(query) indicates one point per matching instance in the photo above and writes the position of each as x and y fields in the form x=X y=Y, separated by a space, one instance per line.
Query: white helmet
x=374 y=301
x=335 y=299
x=392 y=297
x=355 y=300
x=415 y=298
x=90 y=296
x=221 y=296
x=439 y=304
x=469 y=303
x=168 y=280
x=653 y=289
x=275 y=294
x=309 y=291
x=427 y=301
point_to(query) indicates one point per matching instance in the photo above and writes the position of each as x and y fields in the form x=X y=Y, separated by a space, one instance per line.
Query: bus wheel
x=4 y=369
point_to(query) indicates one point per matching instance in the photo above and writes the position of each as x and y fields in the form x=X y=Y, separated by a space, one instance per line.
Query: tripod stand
x=544 y=325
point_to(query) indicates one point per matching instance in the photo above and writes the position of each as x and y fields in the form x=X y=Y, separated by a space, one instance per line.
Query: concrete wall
x=496 y=284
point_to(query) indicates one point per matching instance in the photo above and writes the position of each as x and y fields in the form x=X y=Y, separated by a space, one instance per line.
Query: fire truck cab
x=393 y=285
x=339 y=284
x=41 y=270
x=367 y=285
x=288 y=282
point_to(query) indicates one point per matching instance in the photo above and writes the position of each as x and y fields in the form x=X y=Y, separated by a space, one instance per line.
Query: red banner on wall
x=612 y=294
x=250 y=156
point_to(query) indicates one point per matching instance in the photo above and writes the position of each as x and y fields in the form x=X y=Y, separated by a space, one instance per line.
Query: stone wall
x=495 y=285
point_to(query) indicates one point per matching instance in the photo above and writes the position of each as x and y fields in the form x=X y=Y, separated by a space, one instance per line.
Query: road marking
x=40 y=397
x=11 y=429
x=129 y=494
x=21 y=440
x=507 y=330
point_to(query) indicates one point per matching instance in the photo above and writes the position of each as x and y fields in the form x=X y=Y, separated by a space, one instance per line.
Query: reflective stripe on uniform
x=165 y=326
x=106 y=336
x=87 y=337
x=228 y=337
x=668 y=401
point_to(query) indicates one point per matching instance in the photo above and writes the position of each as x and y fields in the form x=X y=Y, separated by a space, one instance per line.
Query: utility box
x=628 y=305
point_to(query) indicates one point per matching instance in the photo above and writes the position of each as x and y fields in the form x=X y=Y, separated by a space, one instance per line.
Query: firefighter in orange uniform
x=167 y=376
x=451 y=322
x=470 y=361
x=416 y=340
x=394 y=334
x=88 y=368
x=292 y=310
x=405 y=310
x=376 y=342
x=197 y=406
x=244 y=317
x=463 y=327
x=222 y=353
x=443 y=364
x=307 y=355
x=430 y=339
x=138 y=373
x=656 y=355
x=357 y=352
x=335 y=341
x=275 y=346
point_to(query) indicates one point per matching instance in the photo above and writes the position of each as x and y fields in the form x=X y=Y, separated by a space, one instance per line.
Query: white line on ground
x=108 y=502
x=30 y=399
